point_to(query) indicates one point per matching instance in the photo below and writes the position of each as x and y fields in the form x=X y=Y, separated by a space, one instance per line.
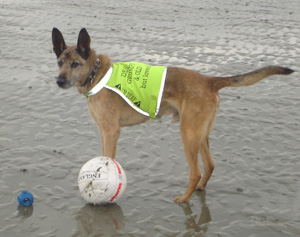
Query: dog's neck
x=93 y=73
x=105 y=64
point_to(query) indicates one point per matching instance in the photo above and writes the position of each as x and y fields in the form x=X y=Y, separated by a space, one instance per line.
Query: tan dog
x=189 y=96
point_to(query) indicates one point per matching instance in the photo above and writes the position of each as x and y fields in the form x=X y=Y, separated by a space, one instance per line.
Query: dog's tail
x=249 y=78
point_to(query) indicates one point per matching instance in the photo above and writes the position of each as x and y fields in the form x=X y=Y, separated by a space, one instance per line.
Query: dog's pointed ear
x=58 y=42
x=83 y=43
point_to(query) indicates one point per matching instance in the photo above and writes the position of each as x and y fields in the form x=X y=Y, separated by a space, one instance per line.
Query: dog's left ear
x=83 y=44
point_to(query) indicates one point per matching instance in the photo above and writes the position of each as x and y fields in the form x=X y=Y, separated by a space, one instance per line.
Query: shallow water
x=47 y=134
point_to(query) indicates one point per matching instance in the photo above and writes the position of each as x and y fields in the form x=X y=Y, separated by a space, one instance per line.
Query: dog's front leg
x=109 y=138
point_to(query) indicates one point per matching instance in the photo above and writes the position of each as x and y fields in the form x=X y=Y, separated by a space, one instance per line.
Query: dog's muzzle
x=61 y=81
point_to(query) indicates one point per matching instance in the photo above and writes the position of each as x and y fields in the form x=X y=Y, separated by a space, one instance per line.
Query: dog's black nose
x=61 y=81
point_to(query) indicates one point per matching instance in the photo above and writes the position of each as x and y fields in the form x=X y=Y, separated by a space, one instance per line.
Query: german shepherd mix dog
x=192 y=99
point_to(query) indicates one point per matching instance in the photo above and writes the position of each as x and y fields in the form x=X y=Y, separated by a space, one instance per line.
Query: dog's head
x=74 y=62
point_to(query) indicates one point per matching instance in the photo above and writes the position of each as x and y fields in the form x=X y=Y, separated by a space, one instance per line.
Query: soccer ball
x=102 y=180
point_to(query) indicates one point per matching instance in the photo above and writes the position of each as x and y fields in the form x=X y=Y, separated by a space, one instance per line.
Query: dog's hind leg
x=193 y=127
x=191 y=148
x=196 y=123
x=208 y=164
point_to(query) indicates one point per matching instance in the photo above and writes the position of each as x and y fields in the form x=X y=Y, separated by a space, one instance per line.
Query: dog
x=190 y=97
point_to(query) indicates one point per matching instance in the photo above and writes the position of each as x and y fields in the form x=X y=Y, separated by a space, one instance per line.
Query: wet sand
x=47 y=133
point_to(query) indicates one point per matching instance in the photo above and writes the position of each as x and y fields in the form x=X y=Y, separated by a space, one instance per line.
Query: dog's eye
x=75 y=64
x=60 y=63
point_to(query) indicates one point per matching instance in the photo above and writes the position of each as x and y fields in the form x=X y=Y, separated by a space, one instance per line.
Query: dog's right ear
x=58 y=42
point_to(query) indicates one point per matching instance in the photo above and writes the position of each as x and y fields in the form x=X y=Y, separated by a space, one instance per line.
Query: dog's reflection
x=191 y=221
x=99 y=220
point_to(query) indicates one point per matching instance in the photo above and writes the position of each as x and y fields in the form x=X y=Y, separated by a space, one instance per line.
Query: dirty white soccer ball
x=102 y=180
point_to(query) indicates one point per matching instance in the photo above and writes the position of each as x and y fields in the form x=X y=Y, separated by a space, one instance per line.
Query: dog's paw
x=181 y=199
x=200 y=188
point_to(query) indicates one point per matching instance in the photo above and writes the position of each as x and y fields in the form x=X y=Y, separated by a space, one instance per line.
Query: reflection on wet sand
x=191 y=222
x=25 y=211
x=99 y=220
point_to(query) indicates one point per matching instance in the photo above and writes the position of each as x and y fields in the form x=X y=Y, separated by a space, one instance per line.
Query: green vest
x=139 y=84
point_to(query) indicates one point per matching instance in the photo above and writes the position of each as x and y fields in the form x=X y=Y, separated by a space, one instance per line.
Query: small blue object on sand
x=25 y=198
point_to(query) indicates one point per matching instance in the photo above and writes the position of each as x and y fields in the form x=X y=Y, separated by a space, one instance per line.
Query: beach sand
x=47 y=134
